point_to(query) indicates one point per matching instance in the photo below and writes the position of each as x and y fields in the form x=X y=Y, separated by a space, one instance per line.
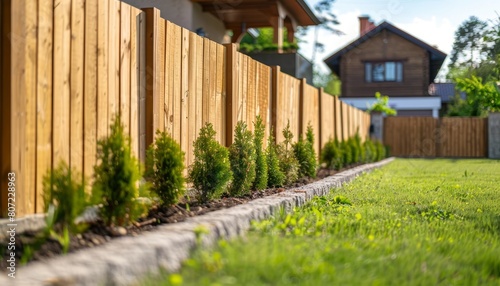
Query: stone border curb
x=126 y=260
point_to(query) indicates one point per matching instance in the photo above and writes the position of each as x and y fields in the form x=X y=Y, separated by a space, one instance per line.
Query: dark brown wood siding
x=386 y=46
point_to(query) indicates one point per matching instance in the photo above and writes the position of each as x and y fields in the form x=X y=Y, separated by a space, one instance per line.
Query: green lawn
x=413 y=222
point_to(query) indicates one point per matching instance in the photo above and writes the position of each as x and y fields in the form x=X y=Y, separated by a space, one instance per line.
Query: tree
x=381 y=105
x=328 y=21
x=469 y=45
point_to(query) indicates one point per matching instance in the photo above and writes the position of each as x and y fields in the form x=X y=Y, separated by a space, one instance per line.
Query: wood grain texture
x=44 y=98
x=76 y=78
x=125 y=66
x=102 y=68
x=90 y=89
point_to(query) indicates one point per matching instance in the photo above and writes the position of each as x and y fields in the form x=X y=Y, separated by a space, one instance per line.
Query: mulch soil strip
x=97 y=233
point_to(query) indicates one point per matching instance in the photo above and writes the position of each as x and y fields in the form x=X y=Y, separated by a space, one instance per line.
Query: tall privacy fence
x=69 y=66
x=439 y=137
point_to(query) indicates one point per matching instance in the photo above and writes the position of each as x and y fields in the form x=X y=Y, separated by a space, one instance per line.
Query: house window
x=384 y=71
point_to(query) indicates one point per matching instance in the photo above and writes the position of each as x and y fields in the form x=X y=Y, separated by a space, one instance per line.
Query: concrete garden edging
x=126 y=260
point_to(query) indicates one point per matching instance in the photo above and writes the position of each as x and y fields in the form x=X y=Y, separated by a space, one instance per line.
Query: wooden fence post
x=274 y=99
x=152 y=80
x=232 y=72
x=302 y=94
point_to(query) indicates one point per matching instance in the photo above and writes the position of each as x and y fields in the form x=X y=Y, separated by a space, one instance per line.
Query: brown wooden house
x=393 y=62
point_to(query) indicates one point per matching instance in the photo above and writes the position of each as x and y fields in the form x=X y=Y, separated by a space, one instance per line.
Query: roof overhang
x=258 y=13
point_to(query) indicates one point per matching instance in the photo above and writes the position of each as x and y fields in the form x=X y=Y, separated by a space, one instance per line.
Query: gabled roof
x=436 y=56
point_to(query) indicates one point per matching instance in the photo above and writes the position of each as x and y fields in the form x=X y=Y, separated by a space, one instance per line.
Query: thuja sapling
x=242 y=157
x=210 y=172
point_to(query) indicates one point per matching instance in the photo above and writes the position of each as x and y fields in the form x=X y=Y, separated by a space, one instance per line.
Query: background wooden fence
x=433 y=137
x=69 y=66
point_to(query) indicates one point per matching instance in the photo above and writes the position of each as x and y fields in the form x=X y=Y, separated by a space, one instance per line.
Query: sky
x=432 y=21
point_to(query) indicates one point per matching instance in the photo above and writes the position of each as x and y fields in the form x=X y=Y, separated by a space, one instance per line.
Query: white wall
x=185 y=14
x=399 y=103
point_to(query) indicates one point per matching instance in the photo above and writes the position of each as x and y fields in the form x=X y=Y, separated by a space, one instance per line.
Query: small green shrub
x=242 y=158
x=116 y=177
x=164 y=167
x=370 y=150
x=331 y=155
x=64 y=193
x=275 y=177
x=211 y=171
x=354 y=150
x=381 y=152
x=306 y=155
x=359 y=146
x=346 y=152
x=288 y=163
x=260 y=182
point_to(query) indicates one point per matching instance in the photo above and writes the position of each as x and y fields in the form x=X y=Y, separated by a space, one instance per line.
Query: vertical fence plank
x=125 y=66
x=28 y=120
x=164 y=56
x=220 y=103
x=134 y=81
x=143 y=86
x=114 y=59
x=76 y=77
x=102 y=68
x=62 y=92
x=232 y=72
x=192 y=82
x=90 y=89
x=185 y=94
x=44 y=98
x=153 y=77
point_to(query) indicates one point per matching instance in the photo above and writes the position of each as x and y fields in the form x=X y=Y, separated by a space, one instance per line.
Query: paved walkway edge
x=127 y=260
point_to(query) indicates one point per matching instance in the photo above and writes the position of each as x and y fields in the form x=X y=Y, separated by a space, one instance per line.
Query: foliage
x=331 y=155
x=423 y=236
x=242 y=157
x=64 y=193
x=381 y=151
x=381 y=105
x=330 y=83
x=360 y=151
x=211 y=170
x=306 y=155
x=370 y=151
x=288 y=163
x=260 y=182
x=165 y=167
x=347 y=153
x=265 y=42
x=116 y=177
x=469 y=45
x=487 y=96
x=275 y=176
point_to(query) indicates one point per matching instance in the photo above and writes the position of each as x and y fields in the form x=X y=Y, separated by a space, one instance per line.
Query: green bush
x=346 y=152
x=331 y=155
x=370 y=150
x=306 y=155
x=116 y=177
x=164 y=168
x=260 y=182
x=64 y=192
x=275 y=177
x=211 y=171
x=242 y=158
x=288 y=163
x=381 y=152
x=359 y=146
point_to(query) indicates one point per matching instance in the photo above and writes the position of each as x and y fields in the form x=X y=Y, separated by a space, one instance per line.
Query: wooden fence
x=433 y=137
x=69 y=66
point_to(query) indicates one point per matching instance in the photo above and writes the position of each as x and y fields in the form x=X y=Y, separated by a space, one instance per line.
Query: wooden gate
x=433 y=137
